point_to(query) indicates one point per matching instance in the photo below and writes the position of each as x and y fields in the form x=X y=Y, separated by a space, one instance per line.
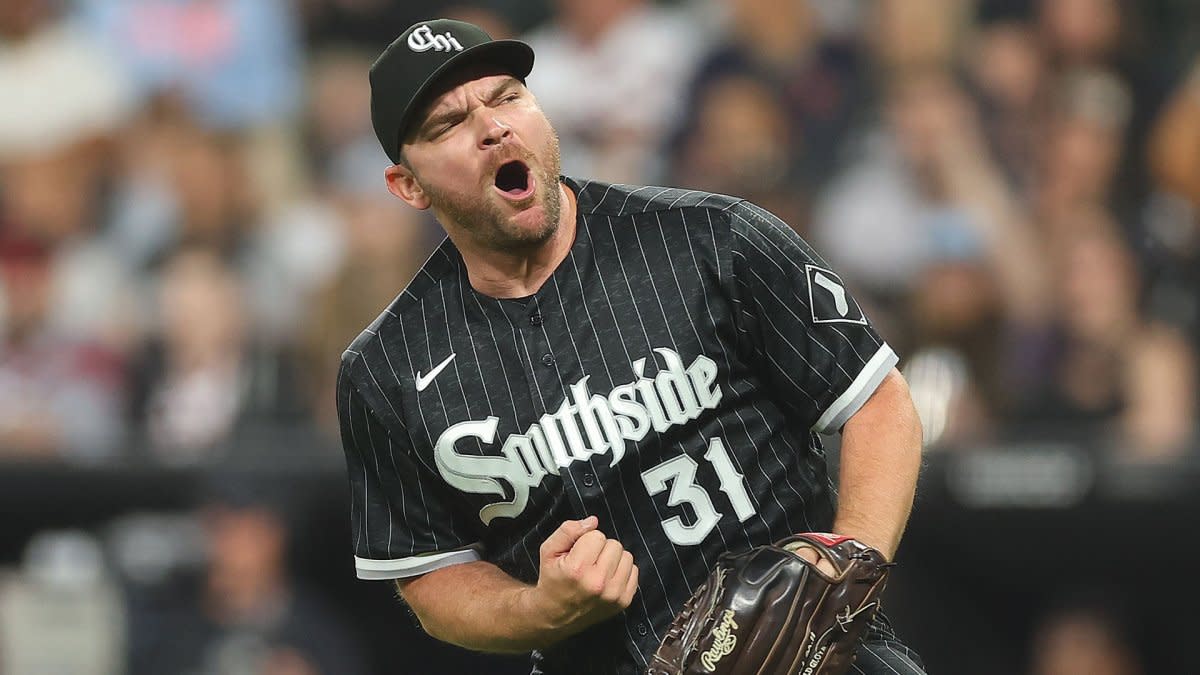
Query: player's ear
x=402 y=182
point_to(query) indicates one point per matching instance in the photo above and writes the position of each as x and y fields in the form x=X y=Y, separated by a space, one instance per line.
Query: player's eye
x=443 y=128
x=509 y=98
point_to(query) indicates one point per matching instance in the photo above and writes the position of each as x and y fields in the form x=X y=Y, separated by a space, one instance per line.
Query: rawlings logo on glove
x=768 y=611
x=723 y=641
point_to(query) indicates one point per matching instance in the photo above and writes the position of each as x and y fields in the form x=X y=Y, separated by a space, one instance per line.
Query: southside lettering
x=584 y=425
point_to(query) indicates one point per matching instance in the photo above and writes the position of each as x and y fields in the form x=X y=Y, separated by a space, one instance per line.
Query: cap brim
x=512 y=56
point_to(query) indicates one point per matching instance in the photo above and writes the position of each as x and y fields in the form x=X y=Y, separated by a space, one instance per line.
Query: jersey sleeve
x=402 y=523
x=816 y=345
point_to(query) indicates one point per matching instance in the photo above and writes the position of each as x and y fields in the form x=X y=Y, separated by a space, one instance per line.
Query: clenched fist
x=584 y=576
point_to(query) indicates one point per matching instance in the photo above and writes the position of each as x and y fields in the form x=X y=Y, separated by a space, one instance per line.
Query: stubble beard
x=488 y=222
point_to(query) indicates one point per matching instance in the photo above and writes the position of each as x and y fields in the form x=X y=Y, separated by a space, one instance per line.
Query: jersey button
x=536 y=319
x=548 y=360
x=642 y=630
x=589 y=480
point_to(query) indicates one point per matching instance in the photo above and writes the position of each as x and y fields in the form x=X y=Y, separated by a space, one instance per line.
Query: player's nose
x=496 y=132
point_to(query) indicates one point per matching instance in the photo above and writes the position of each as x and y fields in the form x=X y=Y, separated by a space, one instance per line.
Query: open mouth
x=514 y=180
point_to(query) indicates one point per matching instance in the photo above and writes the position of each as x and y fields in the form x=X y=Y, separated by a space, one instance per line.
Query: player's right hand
x=584 y=577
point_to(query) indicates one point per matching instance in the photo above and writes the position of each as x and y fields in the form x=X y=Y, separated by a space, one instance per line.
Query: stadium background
x=193 y=223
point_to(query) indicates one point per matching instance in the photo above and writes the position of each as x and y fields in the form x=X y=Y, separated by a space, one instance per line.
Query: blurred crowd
x=194 y=223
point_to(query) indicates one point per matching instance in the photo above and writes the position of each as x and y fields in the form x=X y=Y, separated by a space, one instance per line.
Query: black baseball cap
x=406 y=70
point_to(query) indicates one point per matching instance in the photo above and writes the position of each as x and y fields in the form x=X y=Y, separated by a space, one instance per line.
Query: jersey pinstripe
x=669 y=377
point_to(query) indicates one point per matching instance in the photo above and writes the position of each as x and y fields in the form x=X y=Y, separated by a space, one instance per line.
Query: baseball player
x=591 y=391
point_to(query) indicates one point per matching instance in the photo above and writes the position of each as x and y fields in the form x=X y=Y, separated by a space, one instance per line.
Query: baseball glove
x=767 y=611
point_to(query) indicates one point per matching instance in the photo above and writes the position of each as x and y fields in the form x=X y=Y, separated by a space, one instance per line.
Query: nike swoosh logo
x=425 y=380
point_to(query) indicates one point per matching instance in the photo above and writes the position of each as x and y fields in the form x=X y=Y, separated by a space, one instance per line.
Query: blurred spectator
x=236 y=65
x=1009 y=76
x=339 y=108
x=880 y=197
x=738 y=145
x=179 y=185
x=293 y=255
x=1083 y=145
x=386 y=245
x=205 y=376
x=143 y=209
x=373 y=24
x=925 y=221
x=956 y=364
x=814 y=82
x=1171 y=217
x=208 y=178
x=64 y=100
x=59 y=396
x=1174 y=157
x=1106 y=35
x=62 y=612
x=59 y=86
x=609 y=76
x=56 y=197
x=1082 y=32
x=930 y=155
x=1116 y=377
x=1083 y=641
x=247 y=616
x=295 y=251
x=497 y=24
x=916 y=34
x=235 y=62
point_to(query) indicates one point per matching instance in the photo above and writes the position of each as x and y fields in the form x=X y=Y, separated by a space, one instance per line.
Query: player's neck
x=501 y=274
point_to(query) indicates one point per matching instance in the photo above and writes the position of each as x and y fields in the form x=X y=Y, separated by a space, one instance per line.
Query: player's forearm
x=880 y=460
x=477 y=606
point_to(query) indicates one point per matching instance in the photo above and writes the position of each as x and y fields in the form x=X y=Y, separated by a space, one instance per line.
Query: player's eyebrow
x=451 y=112
x=502 y=88
x=441 y=117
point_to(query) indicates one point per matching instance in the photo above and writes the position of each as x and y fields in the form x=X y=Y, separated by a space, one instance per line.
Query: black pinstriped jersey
x=668 y=378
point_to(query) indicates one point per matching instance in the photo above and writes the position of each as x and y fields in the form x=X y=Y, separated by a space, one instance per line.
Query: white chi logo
x=423 y=39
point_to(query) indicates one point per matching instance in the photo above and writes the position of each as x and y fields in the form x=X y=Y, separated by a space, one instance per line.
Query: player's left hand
x=765 y=611
x=822 y=564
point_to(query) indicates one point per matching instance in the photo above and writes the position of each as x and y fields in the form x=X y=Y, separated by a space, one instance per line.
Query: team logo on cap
x=423 y=39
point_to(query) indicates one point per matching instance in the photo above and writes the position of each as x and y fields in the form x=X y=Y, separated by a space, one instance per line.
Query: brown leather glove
x=767 y=611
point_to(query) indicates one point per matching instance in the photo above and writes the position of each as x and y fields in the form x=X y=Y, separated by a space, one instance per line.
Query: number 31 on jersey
x=679 y=474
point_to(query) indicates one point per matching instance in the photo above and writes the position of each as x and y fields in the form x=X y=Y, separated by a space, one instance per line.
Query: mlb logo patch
x=828 y=298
